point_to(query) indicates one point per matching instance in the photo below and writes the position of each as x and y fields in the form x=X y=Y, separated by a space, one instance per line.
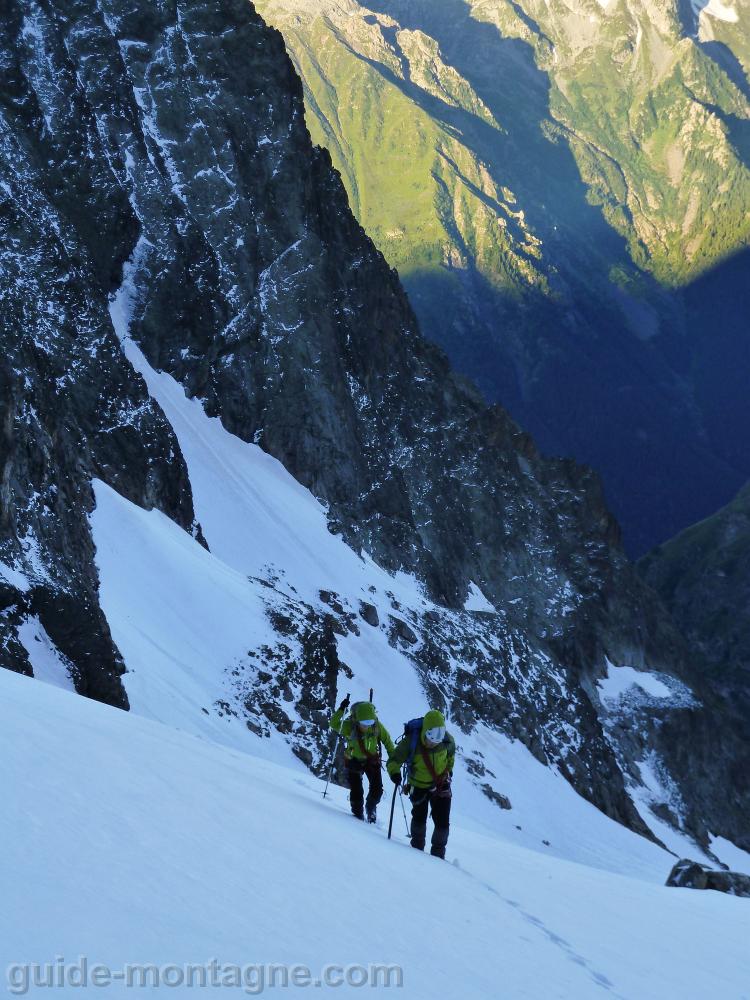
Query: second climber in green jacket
x=429 y=752
x=363 y=734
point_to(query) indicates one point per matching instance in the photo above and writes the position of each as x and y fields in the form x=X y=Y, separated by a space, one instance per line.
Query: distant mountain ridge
x=564 y=189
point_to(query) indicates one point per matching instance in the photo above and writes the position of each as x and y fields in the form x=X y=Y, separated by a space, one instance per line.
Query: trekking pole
x=333 y=756
x=370 y=694
x=393 y=806
x=403 y=810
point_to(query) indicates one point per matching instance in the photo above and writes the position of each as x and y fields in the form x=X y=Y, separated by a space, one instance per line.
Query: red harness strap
x=369 y=757
x=438 y=779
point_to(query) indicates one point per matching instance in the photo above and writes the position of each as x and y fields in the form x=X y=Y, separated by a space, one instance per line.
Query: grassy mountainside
x=546 y=179
x=655 y=124
x=722 y=31
x=657 y=127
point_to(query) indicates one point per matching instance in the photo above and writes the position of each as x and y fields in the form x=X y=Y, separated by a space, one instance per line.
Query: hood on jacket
x=363 y=711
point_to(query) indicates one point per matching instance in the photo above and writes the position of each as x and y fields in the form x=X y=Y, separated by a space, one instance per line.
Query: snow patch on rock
x=47 y=662
x=734 y=857
x=620 y=682
x=12 y=576
x=715 y=8
x=476 y=601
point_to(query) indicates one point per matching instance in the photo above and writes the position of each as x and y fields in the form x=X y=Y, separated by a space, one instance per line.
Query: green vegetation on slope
x=653 y=122
x=418 y=189
x=657 y=128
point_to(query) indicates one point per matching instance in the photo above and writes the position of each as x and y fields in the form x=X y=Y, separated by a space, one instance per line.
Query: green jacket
x=361 y=743
x=442 y=758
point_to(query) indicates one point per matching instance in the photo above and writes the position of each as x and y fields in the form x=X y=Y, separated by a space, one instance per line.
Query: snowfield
x=173 y=836
x=126 y=842
x=184 y=618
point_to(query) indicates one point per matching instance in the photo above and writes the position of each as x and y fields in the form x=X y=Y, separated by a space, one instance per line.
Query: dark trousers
x=440 y=808
x=354 y=771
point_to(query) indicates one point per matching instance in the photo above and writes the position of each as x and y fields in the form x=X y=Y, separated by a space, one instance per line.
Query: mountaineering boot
x=371 y=814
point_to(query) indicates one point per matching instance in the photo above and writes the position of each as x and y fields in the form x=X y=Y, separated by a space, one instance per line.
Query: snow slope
x=126 y=841
x=179 y=615
x=186 y=621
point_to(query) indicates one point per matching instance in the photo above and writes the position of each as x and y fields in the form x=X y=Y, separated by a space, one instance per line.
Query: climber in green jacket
x=429 y=752
x=363 y=734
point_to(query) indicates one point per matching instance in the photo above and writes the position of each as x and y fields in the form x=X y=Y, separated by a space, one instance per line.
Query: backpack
x=412 y=732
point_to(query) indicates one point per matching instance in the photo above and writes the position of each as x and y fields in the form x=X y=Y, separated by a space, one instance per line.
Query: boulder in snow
x=689 y=874
x=369 y=613
x=403 y=631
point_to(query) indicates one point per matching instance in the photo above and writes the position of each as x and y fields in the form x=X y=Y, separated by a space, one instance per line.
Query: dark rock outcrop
x=497 y=797
x=369 y=613
x=71 y=407
x=401 y=630
x=688 y=874
x=703 y=577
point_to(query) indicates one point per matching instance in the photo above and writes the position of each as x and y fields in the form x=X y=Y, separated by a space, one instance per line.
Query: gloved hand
x=443 y=790
x=395 y=778
x=344 y=704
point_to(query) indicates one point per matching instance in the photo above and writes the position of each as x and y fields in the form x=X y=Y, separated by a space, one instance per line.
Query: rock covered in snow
x=687 y=874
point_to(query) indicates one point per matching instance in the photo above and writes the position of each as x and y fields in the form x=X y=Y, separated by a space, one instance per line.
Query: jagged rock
x=278 y=716
x=283 y=624
x=369 y=613
x=691 y=875
x=475 y=767
x=403 y=631
x=342 y=621
x=332 y=601
x=703 y=576
x=501 y=800
x=734 y=883
x=304 y=755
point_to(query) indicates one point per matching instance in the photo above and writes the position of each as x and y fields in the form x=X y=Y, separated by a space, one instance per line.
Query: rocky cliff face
x=159 y=184
x=703 y=576
x=71 y=408
x=553 y=182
